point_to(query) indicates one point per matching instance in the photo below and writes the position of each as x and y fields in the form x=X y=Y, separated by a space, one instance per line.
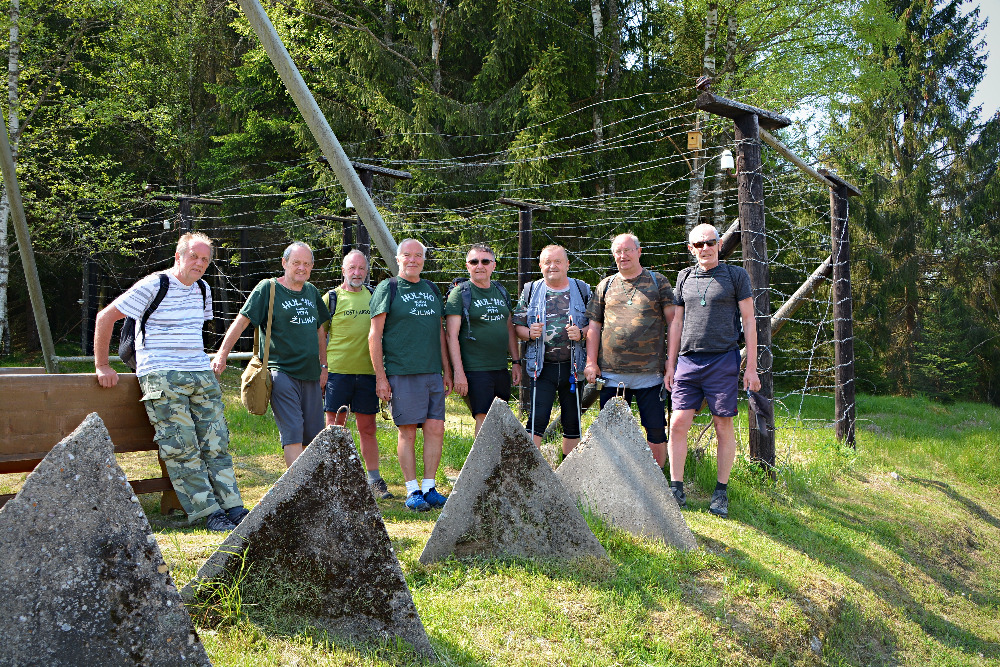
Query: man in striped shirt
x=181 y=393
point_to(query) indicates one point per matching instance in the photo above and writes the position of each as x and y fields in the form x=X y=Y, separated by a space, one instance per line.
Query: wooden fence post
x=843 y=319
x=750 y=183
x=524 y=257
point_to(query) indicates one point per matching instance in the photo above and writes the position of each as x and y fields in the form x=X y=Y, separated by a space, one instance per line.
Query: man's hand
x=591 y=371
x=106 y=376
x=515 y=373
x=750 y=380
x=382 y=388
x=461 y=384
x=449 y=383
x=324 y=375
x=219 y=363
x=536 y=330
x=573 y=332
x=668 y=377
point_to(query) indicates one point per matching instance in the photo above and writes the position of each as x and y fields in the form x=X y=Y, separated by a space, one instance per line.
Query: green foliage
x=943 y=371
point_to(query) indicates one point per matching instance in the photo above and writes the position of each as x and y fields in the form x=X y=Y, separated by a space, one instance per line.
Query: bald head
x=703 y=232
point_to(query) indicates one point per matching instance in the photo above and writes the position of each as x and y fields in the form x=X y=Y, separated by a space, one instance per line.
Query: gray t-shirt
x=710 y=300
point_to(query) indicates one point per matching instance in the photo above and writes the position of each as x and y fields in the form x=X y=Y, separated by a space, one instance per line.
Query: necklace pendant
x=703 y=301
x=630 y=302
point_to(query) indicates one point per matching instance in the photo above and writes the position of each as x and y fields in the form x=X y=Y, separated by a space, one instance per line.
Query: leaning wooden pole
x=843 y=320
x=27 y=254
x=321 y=130
x=748 y=122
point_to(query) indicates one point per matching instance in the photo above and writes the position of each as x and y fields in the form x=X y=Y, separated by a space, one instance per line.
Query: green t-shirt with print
x=411 y=339
x=347 y=345
x=488 y=315
x=297 y=315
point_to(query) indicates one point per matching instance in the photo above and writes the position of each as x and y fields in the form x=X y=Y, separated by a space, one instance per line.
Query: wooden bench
x=40 y=410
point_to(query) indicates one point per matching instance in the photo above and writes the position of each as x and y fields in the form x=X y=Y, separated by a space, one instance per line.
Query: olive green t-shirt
x=411 y=339
x=488 y=315
x=297 y=315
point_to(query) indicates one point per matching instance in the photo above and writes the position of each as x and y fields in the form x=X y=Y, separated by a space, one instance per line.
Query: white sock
x=411 y=486
x=427 y=485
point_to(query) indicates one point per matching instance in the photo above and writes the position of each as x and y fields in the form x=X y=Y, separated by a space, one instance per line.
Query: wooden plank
x=22 y=370
x=523 y=204
x=787 y=153
x=151 y=485
x=41 y=410
x=721 y=106
x=849 y=189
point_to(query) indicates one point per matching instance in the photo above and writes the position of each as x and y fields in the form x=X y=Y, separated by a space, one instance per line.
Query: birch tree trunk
x=436 y=52
x=600 y=74
x=13 y=71
x=696 y=188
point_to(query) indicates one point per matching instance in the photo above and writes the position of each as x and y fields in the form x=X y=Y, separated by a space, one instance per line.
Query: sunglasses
x=701 y=244
x=475 y=262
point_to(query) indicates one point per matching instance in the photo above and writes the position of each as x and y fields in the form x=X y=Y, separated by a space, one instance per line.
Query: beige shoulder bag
x=255 y=389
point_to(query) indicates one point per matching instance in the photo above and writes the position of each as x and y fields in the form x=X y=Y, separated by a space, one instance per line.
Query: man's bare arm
x=382 y=388
x=103 y=326
x=750 y=378
x=232 y=335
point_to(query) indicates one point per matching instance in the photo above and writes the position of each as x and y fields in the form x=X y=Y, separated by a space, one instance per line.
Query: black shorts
x=357 y=392
x=652 y=411
x=484 y=386
x=554 y=379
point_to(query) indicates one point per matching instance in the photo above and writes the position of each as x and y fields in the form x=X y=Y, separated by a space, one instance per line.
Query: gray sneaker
x=679 y=497
x=720 y=504
x=380 y=490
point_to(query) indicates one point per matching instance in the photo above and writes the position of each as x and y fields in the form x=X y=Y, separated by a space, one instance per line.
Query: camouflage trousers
x=185 y=408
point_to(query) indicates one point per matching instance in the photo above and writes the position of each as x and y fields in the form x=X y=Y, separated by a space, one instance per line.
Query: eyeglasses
x=475 y=262
x=623 y=251
x=701 y=244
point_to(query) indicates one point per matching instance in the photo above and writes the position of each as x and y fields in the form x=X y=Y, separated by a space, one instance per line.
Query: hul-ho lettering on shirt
x=305 y=310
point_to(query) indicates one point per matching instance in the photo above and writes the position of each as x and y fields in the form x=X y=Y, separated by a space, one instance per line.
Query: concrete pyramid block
x=316 y=546
x=613 y=472
x=82 y=580
x=507 y=501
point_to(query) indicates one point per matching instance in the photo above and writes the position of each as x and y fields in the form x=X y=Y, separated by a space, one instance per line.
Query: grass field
x=888 y=555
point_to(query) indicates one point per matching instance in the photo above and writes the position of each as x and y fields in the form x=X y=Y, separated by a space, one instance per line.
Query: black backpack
x=126 y=337
x=465 y=284
x=394 y=287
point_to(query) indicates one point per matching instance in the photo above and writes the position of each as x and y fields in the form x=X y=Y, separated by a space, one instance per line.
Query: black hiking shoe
x=720 y=504
x=237 y=514
x=218 y=522
x=679 y=497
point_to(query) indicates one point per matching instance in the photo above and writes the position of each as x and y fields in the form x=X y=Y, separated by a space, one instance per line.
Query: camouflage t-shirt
x=630 y=313
x=557 y=342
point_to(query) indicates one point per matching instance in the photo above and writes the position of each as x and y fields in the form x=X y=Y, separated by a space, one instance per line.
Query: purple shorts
x=701 y=376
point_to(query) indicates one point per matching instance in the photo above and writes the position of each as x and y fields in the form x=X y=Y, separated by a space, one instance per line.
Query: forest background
x=582 y=103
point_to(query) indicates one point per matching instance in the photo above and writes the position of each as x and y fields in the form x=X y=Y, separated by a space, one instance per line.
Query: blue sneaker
x=415 y=501
x=435 y=499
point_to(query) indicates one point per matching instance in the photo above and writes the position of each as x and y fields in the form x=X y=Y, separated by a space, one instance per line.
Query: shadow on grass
x=387 y=651
x=831 y=549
